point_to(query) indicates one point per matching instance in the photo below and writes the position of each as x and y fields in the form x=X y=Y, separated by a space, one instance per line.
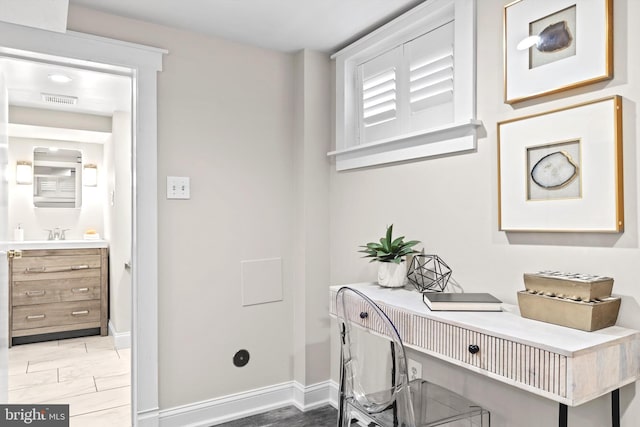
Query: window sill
x=449 y=139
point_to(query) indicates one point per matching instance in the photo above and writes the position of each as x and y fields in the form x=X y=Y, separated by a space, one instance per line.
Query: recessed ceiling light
x=59 y=78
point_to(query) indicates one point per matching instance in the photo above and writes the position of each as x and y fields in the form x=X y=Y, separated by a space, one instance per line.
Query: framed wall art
x=562 y=170
x=556 y=45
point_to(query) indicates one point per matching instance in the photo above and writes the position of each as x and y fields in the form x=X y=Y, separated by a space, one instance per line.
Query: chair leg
x=342 y=404
x=393 y=381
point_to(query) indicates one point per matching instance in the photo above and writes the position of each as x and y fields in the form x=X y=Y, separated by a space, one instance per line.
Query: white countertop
x=506 y=324
x=56 y=244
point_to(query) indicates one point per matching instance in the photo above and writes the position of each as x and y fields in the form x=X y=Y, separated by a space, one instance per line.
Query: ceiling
x=284 y=25
x=28 y=84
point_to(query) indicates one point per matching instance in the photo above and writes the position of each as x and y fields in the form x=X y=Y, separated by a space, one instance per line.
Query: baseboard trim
x=148 y=418
x=311 y=397
x=120 y=339
x=333 y=393
x=228 y=408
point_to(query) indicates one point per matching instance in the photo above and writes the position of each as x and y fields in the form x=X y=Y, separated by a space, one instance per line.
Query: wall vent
x=59 y=99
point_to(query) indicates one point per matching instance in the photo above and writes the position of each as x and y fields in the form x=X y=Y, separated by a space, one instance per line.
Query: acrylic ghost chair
x=374 y=384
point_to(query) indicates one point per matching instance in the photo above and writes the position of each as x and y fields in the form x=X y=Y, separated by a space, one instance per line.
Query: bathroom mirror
x=57 y=178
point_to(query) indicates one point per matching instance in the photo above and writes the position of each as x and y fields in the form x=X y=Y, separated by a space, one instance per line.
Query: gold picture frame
x=555 y=45
x=576 y=154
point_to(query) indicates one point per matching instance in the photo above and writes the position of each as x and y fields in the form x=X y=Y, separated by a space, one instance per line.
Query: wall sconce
x=90 y=175
x=23 y=172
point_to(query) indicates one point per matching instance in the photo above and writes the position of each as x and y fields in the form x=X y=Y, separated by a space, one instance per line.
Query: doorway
x=65 y=122
x=142 y=63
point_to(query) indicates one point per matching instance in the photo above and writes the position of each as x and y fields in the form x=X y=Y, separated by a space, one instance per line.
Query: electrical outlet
x=415 y=369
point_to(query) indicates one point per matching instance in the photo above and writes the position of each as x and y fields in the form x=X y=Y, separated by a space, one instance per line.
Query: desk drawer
x=518 y=362
x=55 y=314
x=60 y=290
x=524 y=364
x=358 y=312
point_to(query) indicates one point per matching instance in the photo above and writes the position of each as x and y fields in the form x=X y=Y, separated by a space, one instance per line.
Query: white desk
x=562 y=364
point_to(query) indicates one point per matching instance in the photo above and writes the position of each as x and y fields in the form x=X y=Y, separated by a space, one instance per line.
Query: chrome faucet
x=57 y=233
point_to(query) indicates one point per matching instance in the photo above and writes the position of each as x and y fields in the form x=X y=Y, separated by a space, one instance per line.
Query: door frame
x=142 y=63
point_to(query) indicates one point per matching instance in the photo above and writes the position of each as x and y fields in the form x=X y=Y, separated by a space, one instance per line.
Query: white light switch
x=178 y=187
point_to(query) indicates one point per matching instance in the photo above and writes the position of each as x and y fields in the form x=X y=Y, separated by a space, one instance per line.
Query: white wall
x=451 y=204
x=117 y=208
x=35 y=220
x=21 y=209
x=4 y=274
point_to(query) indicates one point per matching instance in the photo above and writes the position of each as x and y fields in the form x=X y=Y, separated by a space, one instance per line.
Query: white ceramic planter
x=392 y=275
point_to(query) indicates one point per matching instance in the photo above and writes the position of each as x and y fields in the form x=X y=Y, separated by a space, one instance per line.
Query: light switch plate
x=178 y=187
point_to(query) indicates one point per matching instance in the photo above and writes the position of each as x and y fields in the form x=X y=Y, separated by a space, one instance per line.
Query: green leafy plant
x=389 y=249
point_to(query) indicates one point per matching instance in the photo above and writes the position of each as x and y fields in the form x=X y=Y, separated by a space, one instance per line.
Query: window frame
x=455 y=137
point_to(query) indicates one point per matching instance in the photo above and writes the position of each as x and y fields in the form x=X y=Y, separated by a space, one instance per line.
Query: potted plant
x=391 y=255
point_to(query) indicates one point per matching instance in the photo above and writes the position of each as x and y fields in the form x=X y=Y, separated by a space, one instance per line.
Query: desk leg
x=562 y=418
x=615 y=408
x=615 y=411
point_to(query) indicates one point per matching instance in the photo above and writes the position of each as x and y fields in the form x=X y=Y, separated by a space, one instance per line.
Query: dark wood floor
x=289 y=417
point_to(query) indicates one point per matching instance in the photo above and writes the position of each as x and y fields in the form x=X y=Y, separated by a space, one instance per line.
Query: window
x=407 y=90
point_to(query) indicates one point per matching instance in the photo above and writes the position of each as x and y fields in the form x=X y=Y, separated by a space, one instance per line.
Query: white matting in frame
x=583 y=142
x=556 y=45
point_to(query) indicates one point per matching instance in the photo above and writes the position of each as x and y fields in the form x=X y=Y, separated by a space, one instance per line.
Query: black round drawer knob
x=364 y=314
x=473 y=349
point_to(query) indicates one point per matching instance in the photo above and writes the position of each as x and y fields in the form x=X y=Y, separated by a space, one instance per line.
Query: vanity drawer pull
x=79 y=289
x=473 y=348
x=35 y=316
x=35 y=293
x=80 y=313
x=55 y=269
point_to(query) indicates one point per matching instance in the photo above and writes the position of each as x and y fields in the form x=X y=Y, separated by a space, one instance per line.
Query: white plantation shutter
x=379 y=98
x=378 y=84
x=430 y=82
x=407 y=90
x=57 y=186
x=431 y=79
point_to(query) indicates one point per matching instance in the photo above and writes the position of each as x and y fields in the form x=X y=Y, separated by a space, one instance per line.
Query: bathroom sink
x=57 y=244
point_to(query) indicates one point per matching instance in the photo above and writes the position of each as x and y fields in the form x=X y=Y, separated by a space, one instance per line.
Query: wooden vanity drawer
x=56 y=314
x=55 y=291
x=58 y=290
x=56 y=267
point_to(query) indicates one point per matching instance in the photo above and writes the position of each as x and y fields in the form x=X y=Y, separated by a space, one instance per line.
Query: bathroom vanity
x=57 y=289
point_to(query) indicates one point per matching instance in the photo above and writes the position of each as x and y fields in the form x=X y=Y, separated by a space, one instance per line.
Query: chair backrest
x=374 y=365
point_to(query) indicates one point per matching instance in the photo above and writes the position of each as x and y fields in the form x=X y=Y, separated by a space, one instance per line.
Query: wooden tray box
x=587 y=290
x=587 y=316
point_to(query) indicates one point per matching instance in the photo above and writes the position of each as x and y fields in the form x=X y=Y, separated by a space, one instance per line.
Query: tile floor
x=87 y=373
